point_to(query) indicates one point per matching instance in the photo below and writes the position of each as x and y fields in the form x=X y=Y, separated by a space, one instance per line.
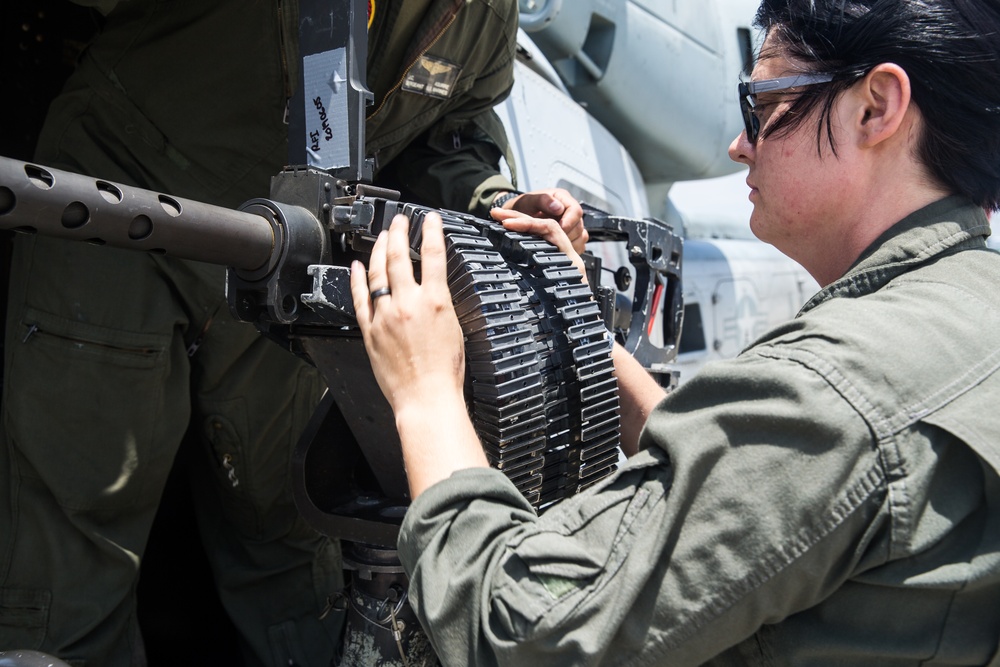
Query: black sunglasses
x=748 y=96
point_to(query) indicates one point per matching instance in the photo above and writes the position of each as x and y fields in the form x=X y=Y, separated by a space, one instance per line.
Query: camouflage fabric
x=829 y=497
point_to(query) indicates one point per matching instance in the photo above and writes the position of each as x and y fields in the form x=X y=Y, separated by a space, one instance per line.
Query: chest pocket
x=405 y=115
x=972 y=418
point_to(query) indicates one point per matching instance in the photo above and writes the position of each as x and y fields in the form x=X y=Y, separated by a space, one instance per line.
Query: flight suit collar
x=945 y=226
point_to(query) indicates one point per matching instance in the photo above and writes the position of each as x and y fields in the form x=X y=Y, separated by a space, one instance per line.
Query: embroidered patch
x=431 y=76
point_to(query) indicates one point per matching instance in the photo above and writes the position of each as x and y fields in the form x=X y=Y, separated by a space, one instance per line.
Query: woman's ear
x=884 y=96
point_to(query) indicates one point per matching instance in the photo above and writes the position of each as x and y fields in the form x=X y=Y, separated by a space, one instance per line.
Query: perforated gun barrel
x=59 y=203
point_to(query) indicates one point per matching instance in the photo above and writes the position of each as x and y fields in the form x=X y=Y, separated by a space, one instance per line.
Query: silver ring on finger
x=384 y=291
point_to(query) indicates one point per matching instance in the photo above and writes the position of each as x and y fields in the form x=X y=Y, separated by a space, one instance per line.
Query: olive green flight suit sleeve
x=760 y=492
x=455 y=164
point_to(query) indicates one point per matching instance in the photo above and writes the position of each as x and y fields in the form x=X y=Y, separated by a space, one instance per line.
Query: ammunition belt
x=539 y=374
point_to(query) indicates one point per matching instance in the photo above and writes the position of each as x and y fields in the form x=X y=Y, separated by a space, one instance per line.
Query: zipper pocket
x=76 y=341
x=35 y=330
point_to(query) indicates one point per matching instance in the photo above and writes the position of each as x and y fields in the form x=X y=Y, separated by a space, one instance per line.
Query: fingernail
x=555 y=206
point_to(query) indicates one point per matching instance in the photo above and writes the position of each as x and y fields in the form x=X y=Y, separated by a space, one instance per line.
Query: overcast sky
x=715 y=204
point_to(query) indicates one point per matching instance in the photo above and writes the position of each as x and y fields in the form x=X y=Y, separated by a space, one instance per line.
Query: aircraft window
x=692 y=333
x=746 y=49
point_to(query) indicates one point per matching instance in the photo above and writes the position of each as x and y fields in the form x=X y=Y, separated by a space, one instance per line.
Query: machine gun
x=540 y=382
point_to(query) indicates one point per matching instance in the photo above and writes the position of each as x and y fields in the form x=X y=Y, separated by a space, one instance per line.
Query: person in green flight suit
x=831 y=496
x=113 y=356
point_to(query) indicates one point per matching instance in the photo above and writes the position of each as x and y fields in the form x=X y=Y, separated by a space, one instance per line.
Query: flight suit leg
x=95 y=403
x=273 y=571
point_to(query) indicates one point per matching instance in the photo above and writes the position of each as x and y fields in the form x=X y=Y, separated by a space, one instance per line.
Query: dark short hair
x=950 y=49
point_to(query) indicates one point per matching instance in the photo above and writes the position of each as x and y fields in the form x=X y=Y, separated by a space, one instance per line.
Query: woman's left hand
x=554 y=203
x=547 y=228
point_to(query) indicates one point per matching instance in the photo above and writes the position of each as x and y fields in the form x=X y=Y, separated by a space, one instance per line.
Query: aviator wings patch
x=432 y=76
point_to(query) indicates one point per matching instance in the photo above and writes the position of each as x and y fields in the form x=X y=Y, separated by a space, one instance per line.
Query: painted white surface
x=739 y=286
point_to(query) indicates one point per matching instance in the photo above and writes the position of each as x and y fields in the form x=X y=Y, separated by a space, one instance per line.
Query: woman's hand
x=554 y=203
x=546 y=228
x=417 y=353
x=411 y=332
